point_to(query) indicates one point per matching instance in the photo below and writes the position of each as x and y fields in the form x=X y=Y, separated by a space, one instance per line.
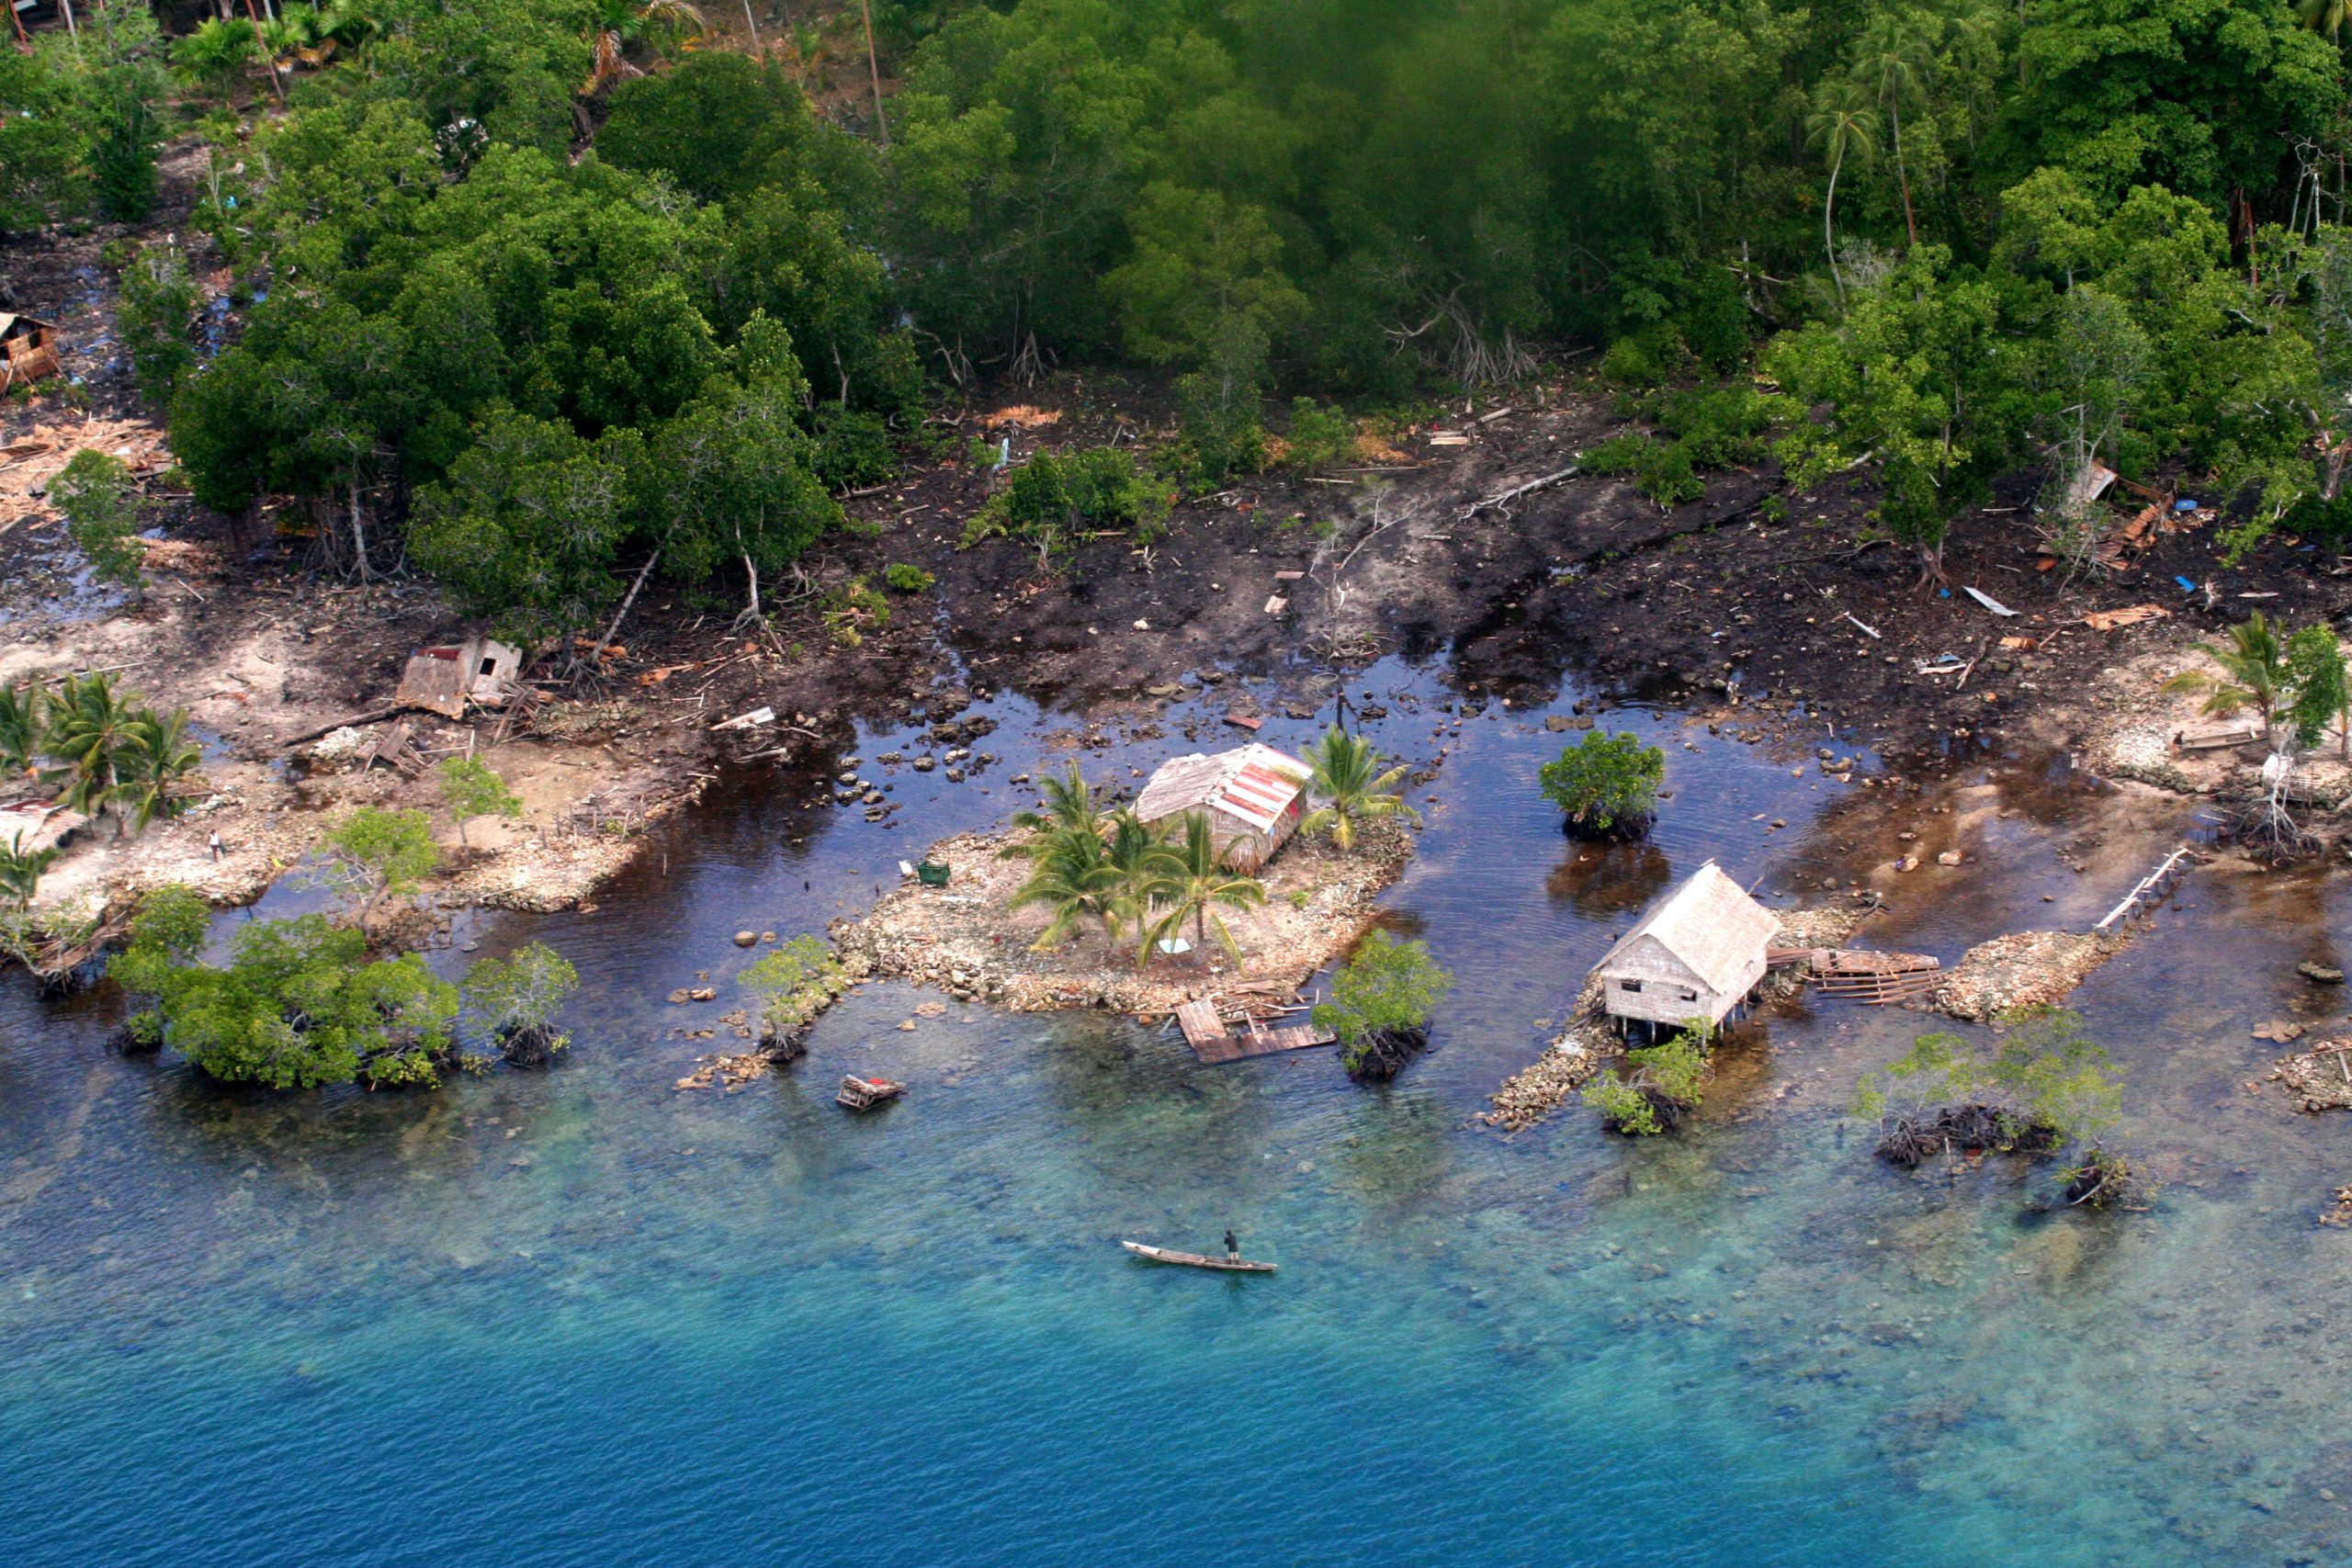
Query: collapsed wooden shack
x=1698 y=954
x=1253 y=798
x=480 y=671
x=28 y=351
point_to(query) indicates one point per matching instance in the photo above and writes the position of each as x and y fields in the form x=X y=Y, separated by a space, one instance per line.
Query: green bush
x=1381 y=1002
x=1051 y=498
x=1319 y=437
x=158 y=318
x=900 y=578
x=1608 y=784
x=852 y=447
x=1662 y=1084
x=1659 y=469
x=101 y=508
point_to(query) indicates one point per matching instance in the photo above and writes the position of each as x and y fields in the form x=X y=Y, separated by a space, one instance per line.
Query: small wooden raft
x=1856 y=975
x=1197 y=1260
x=864 y=1094
x=1216 y=1043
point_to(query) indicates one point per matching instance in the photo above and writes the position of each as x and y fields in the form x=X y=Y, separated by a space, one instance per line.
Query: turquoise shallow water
x=578 y=1317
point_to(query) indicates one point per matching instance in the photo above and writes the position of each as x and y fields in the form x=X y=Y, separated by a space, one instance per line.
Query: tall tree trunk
x=1829 y=234
x=1902 y=175
x=750 y=24
x=359 y=530
x=873 y=64
x=596 y=653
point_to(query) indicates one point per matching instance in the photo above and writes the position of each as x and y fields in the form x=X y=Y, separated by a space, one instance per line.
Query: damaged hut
x=1697 y=954
x=1254 y=798
x=480 y=671
x=28 y=351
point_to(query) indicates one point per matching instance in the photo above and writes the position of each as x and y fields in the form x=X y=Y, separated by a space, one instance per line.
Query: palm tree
x=619 y=23
x=1890 y=64
x=1069 y=804
x=1188 y=880
x=23 y=723
x=1127 y=847
x=1075 y=878
x=155 y=755
x=1840 y=123
x=21 y=870
x=2324 y=15
x=1353 y=788
x=89 y=722
x=2254 y=672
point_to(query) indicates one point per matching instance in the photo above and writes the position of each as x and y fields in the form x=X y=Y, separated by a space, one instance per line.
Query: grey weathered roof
x=1708 y=924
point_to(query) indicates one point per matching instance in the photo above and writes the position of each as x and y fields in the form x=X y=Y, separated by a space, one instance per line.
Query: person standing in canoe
x=1232 y=1248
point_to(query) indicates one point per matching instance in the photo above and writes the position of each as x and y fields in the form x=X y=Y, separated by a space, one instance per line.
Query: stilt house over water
x=1254 y=798
x=1697 y=954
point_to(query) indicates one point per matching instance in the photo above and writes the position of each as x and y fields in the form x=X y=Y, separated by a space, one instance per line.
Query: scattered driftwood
x=1501 y=501
x=1909 y=1138
x=2107 y=620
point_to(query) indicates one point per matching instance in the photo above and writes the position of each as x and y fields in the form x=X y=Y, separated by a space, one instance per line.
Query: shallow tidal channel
x=580 y=1317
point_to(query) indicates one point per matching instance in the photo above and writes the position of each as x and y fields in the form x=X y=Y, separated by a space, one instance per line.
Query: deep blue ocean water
x=580 y=1317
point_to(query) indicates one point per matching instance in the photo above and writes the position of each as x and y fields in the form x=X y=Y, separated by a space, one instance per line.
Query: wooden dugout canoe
x=1195 y=1260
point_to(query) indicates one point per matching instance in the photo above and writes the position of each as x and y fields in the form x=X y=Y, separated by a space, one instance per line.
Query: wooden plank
x=1201 y=1025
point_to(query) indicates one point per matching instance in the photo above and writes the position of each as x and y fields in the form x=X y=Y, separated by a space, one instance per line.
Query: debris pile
x=2319 y=1078
x=30 y=461
x=2023 y=969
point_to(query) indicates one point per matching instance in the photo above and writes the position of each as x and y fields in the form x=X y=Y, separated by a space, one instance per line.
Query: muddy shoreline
x=1780 y=617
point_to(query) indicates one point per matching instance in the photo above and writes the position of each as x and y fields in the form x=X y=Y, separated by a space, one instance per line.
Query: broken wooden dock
x=1857 y=975
x=1215 y=1043
x=2152 y=888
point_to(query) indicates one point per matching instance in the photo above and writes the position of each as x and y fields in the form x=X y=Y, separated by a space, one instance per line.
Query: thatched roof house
x=1694 y=956
x=1254 y=797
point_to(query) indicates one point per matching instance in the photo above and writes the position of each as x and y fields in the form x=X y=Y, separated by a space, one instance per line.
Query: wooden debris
x=2107 y=620
x=1243 y=721
x=2151 y=888
x=1502 y=499
x=757 y=716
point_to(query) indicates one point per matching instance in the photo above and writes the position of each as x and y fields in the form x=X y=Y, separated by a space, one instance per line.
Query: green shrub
x=852 y=447
x=1608 y=784
x=900 y=578
x=1662 y=1084
x=1223 y=432
x=855 y=609
x=1319 y=437
x=1053 y=497
x=1381 y=1002
x=1659 y=469
x=158 y=318
x=101 y=509
x=792 y=985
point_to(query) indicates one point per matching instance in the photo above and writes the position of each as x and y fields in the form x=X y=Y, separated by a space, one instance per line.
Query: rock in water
x=2320 y=974
x=746 y=938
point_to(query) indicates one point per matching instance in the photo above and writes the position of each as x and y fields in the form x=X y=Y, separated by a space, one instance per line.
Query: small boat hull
x=1197 y=1260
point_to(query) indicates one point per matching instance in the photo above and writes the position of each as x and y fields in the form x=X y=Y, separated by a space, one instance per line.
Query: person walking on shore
x=216 y=844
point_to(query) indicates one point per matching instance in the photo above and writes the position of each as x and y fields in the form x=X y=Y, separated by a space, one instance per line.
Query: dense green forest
x=544 y=290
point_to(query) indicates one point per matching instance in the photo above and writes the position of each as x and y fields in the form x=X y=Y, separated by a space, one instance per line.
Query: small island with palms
x=1238 y=875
